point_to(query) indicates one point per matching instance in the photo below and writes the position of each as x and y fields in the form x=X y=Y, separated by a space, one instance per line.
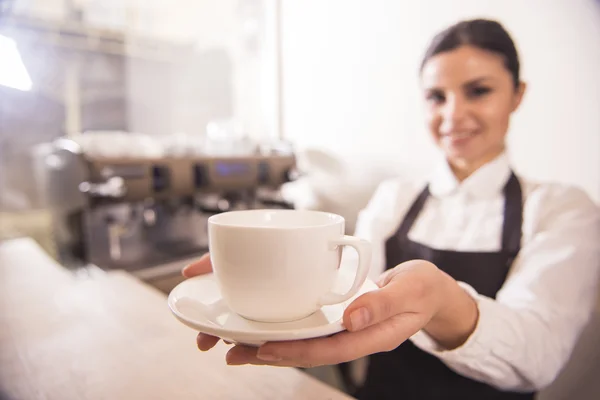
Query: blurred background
x=163 y=69
x=337 y=78
x=325 y=93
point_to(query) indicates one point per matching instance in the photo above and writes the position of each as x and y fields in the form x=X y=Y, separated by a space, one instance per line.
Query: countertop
x=110 y=336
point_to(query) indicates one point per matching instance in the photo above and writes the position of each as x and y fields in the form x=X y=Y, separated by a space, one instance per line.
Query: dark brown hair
x=481 y=33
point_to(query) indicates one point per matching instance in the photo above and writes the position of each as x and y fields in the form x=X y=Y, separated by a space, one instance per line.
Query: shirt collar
x=487 y=181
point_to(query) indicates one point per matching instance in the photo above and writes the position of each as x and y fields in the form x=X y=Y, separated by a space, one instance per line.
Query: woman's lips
x=457 y=139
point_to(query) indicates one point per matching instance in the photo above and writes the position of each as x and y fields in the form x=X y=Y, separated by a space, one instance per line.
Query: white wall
x=351 y=87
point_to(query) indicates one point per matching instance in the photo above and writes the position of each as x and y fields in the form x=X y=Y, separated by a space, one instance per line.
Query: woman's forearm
x=457 y=318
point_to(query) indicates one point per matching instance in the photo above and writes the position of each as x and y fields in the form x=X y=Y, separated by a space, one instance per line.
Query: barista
x=487 y=277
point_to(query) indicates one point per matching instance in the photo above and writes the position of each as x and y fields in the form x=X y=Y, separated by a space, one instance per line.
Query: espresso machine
x=139 y=212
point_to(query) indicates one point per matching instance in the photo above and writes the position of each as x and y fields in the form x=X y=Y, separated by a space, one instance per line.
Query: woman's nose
x=453 y=112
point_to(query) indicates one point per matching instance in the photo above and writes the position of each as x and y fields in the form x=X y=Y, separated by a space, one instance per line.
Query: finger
x=402 y=291
x=199 y=267
x=240 y=355
x=342 y=347
x=206 y=342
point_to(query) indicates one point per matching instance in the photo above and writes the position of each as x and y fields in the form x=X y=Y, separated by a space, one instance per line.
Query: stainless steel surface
x=136 y=212
x=56 y=166
x=118 y=236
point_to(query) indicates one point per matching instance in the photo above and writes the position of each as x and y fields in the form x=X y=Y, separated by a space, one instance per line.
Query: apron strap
x=513 y=218
x=412 y=214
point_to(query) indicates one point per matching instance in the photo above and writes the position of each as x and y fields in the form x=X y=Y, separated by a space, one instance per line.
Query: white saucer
x=197 y=303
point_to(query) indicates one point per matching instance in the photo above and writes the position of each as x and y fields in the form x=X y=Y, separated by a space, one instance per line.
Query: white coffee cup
x=280 y=265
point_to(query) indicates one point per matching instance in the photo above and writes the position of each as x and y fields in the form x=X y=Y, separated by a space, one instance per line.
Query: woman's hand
x=200 y=267
x=413 y=296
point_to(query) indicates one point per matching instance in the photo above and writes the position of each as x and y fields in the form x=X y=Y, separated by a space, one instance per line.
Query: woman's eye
x=436 y=97
x=478 y=91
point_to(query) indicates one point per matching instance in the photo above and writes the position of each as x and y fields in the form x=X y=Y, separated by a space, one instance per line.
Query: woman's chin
x=469 y=157
x=459 y=154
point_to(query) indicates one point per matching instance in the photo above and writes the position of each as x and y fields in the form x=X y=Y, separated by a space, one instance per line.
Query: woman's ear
x=519 y=93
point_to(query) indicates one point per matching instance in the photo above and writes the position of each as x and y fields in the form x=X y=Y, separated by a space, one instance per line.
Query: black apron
x=410 y=373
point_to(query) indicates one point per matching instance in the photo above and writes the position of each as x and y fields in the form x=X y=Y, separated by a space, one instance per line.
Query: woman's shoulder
x=555 y=194
x=550 y=203
x=392 y=197
x=389 y=202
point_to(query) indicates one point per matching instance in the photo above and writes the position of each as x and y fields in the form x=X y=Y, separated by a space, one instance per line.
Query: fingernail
x=359 y=319
x=267 y=356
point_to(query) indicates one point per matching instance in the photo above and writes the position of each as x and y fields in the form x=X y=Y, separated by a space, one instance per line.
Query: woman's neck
x=463 y=168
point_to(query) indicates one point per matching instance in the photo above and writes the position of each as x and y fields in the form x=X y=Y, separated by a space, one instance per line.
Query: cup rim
x=214 y=219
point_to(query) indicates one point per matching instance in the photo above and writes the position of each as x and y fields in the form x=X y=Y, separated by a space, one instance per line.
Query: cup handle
x=363 y=248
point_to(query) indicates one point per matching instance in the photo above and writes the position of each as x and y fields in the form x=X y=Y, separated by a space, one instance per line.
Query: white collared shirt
x=524 y=336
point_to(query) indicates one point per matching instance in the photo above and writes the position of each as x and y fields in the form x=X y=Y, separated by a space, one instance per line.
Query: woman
x=489 y=277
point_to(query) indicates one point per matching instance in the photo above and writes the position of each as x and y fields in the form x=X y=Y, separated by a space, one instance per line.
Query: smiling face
x=469 y=96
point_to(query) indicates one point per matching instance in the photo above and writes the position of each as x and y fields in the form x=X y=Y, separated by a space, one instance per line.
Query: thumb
x=202 y=266
x=379 y=305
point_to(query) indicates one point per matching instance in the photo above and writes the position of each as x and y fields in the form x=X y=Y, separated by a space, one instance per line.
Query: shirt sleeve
x=377 y=221
x=524 y=337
